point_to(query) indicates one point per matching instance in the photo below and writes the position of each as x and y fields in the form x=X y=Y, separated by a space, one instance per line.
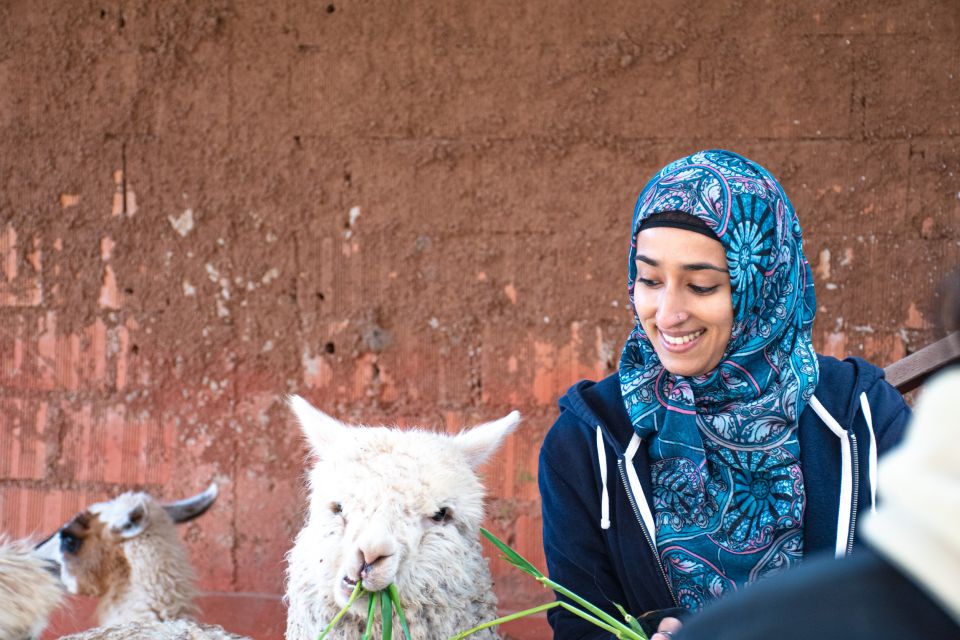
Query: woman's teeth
x=682 y=339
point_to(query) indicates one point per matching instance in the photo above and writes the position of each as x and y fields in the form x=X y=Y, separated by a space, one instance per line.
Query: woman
x=724 y=449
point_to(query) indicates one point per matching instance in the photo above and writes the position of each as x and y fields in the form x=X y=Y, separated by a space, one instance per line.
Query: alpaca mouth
x=369 y=583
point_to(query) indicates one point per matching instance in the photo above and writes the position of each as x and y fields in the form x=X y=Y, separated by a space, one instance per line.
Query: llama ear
x=321 y=430
x=135 y=522
x=480 y=442
x=127 y=515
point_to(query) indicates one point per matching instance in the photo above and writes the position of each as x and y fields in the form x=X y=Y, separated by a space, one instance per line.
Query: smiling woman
x=737 y=449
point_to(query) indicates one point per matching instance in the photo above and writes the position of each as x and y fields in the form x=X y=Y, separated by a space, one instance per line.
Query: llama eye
x=441 y=515
x=336 y=507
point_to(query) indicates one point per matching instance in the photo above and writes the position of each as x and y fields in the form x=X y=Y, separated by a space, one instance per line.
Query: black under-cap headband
x=678 y=220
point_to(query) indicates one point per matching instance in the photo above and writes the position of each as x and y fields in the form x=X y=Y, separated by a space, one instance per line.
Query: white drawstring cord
x=846 y=476
x=637 y=488
x=872 y=468
x=605 y=496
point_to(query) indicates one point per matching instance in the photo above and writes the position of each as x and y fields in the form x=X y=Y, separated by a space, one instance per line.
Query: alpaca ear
x=320 y=430
x=480 y=442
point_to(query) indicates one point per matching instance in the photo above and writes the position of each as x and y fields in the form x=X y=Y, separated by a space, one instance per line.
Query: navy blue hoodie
x=600 y=548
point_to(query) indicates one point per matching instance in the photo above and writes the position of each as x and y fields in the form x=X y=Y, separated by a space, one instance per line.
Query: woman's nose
x=672 y=311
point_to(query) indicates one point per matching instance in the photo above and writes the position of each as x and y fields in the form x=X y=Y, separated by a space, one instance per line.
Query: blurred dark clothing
x=863 y=596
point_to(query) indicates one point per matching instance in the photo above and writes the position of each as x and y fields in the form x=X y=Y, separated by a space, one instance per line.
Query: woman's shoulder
x=842 y=382
x=849 y=372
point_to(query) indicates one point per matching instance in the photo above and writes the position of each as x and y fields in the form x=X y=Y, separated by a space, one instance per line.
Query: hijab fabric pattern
x=728 y=492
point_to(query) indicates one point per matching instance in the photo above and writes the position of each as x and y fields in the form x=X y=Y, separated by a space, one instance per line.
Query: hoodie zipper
x=855 y=454
x=643 y=528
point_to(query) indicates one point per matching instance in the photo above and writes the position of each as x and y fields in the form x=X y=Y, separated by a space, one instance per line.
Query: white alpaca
x=29 y=591
x=127 y=553
x=391 y=506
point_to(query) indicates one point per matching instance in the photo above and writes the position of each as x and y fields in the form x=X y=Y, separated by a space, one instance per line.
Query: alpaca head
x=391 y=506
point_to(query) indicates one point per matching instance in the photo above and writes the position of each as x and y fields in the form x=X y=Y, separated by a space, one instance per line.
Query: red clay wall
x=411 y=212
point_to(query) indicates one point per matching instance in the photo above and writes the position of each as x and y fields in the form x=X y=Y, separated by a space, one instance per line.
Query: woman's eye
x=703 y=290
x=336 y=507
x=441 y=515
x=647 y=283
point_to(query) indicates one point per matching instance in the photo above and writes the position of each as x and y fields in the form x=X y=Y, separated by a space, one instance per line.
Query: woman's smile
x=680 y=342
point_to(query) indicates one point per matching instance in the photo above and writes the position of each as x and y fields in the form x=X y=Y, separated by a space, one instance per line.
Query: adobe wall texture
x=409 y=212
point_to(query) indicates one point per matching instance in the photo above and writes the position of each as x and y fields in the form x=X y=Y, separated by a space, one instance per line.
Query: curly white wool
x=391 y=506
x=169 y=630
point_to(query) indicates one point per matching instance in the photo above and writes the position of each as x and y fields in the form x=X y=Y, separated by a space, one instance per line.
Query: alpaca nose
x=366 y=568
x=370 y=562
x=371 y=555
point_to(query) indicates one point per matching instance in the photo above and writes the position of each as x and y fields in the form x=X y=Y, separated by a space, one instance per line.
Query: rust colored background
x=410 y=212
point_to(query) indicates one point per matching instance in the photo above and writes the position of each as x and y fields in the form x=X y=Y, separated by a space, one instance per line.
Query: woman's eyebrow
x=696 y=266
x=701 y=266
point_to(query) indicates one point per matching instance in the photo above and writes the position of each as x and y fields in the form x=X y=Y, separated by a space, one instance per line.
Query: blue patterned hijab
x=728 y=492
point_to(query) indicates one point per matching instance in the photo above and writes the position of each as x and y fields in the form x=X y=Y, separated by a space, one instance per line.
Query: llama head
x=92 y=548
x=391 y=506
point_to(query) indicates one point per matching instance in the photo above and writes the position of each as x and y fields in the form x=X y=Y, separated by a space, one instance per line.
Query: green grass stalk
x=386 y=615
x=513 y=616
x=357 y=591
x=517 y=560
x=371 y=612
x=395 y=598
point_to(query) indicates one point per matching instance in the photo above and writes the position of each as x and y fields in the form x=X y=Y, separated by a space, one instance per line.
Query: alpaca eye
x=336 y=507
x=441 y=515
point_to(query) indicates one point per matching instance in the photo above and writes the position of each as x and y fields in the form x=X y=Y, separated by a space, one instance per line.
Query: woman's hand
x=666 y=629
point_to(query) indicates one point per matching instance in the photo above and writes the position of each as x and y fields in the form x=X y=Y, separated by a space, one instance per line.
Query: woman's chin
x=686 y=365
x=686 y=360
x=685 y=371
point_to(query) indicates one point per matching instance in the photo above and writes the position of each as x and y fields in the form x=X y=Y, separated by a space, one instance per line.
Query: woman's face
x=682 y=298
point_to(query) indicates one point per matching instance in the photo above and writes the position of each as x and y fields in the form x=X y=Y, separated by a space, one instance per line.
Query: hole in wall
x=330 y=347
x=331 y=8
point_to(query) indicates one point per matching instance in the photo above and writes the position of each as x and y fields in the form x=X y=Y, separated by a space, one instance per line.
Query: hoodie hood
x=600 y=404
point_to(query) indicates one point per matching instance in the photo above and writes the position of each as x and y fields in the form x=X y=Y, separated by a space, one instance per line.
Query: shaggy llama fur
x=390 y=506
x=29 y=591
